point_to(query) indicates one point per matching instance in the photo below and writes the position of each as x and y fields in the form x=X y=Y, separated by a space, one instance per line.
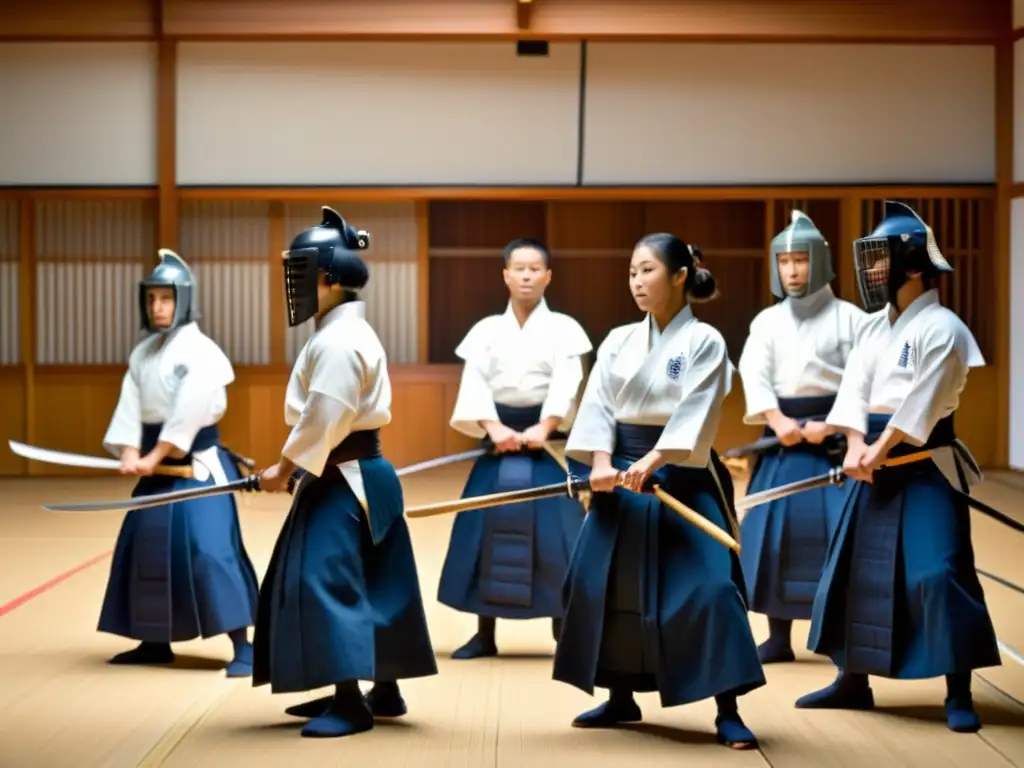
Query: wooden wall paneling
x=780 y=20
x=959 y=21
x=14 y=414
x=423 y=282
x=591 y=244
x=851 y=227
x=738 y=20
x=166 y=131
x=465 y=284
x=1001 y=232
x=27 y=321
x=72 y=409
x=493 y=194
x=72 y=404
x=277 y=301
x=770 y=230
x=484 y=223
x=74 y=19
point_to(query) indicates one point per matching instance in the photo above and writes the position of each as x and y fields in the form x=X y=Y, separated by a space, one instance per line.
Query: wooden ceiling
x=952 y=21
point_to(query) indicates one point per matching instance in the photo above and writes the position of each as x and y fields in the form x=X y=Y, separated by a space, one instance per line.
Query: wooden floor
x=63 y=706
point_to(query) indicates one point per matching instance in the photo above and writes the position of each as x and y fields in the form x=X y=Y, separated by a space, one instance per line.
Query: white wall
x=803 y=114
x=336 y=113
x=376 y=113
x=78 y=114
x=1016 y=458
x=1017 y=335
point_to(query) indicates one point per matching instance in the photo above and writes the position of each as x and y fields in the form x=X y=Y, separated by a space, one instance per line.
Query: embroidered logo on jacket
x=180 y=371
x=674 y=369
x=906 y=356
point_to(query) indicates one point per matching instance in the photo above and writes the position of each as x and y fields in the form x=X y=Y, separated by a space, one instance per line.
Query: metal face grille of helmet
x=873 y=261
x=300 y=284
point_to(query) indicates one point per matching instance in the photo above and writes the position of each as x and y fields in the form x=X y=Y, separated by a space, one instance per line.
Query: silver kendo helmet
x=801 y=236
x=171 y=272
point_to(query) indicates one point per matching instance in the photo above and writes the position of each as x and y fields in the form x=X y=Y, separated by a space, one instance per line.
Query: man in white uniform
x=519 y=384
x=341 y=598
x=899 y=596
x=791 y=366
x=179 y=571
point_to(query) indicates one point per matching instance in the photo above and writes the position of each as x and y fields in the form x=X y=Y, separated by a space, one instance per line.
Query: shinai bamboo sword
x=245 y=485
x=691 y=516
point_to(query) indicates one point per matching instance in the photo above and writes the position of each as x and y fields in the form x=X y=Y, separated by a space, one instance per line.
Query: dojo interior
x=219 y=128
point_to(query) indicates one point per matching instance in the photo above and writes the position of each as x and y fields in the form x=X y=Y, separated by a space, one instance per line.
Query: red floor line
x=47 y=586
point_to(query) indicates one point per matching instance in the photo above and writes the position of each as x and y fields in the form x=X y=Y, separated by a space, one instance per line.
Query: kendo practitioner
x=899 y=596
x=521 y=375
x=341 y=600
x=791 y=366
x=179 y=571
x=652 y=602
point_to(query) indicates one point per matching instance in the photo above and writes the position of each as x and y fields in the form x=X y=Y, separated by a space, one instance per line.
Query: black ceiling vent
x=531 y=47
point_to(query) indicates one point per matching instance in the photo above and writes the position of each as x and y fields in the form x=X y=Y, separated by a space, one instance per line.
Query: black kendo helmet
x=901 y=243
x=329 y=247
x=172 y=272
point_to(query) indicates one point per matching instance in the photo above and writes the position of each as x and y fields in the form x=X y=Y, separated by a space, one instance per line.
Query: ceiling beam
x=524 y=12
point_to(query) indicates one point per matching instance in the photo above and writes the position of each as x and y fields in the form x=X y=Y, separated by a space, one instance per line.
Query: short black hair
x=526 y=242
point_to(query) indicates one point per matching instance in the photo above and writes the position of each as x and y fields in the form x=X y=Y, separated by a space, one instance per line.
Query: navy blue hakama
x=510 y=561
x=785 y=541
x=652 y=603
x=899 y=596
x=180 y=571
x=341 y=597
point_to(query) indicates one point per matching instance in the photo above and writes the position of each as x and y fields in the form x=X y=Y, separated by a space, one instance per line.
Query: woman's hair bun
x=703 y=286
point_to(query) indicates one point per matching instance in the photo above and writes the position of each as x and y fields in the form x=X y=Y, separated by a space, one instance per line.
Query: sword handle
x=836 y=476
x=574 y=486
x=173 y=470
x=250 y=483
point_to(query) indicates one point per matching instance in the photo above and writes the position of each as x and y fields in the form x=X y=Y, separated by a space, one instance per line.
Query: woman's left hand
x=274 y=479
x=640 y=472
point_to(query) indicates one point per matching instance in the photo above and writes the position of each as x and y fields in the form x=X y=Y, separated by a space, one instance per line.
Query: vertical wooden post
x=851 y=224
x=167 y=155
x=1003 y=251
x=27 y=316
x=423 y=282
x=278 y=319
x=769 y=235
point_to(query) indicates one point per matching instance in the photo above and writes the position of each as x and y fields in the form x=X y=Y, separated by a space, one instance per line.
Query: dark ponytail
x=676 y=255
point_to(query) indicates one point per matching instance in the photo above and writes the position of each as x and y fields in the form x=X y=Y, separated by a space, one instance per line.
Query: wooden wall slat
x=553 y=19
x=76 y=19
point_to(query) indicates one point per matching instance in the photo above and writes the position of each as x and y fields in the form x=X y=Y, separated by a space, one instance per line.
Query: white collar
x=922 y=302
x=349 y=309
x=682 y=317
x=539 y=311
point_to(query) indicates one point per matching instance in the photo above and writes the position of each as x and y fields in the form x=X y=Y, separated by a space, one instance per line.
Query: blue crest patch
x=674 y=369
x=906 y=356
